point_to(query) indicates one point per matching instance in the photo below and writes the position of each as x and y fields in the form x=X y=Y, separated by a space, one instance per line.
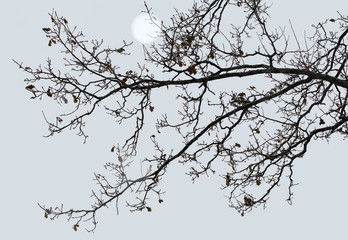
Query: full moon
x=144 y=30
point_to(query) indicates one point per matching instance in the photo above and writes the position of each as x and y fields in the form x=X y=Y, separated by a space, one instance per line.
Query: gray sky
x=60 y=169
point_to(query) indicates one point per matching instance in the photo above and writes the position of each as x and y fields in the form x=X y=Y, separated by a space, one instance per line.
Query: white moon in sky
x=144 y=30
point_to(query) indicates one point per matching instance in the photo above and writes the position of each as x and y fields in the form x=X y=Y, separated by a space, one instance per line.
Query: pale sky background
x=60 y=169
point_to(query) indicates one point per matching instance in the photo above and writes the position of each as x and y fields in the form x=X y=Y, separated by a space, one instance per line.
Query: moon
x=145 y=30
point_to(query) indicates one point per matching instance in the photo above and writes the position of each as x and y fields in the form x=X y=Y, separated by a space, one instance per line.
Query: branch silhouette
x=298 y=95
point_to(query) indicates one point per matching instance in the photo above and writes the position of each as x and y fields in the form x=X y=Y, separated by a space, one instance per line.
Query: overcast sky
x=60 y=169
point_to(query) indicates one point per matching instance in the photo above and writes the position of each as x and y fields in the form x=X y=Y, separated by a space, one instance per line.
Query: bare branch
x=250 y=135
